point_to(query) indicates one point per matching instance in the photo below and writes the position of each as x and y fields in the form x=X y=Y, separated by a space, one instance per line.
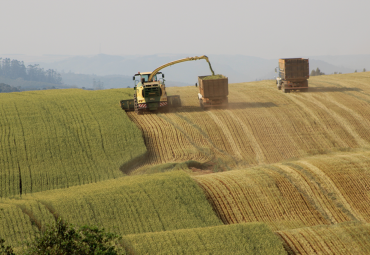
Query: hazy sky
x=262 y=28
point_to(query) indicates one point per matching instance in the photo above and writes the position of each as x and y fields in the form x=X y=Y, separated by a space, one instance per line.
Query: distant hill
x=5 y=88
x=113 y=81
x=353 y=62
x=24 y=85
x=238 y=68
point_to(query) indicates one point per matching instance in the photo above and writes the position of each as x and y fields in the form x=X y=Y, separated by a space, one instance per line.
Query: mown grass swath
x=61 y=138
x=252 y=238
x=344 y=238
x=127 y=205
x=319 y=190
x=261 y=124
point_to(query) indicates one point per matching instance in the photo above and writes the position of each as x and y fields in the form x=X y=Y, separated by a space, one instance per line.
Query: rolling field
x=127 y=205
x=61 y=138
x=262 y=125
x=254 y=238
x=319 y=190
x=297 y=164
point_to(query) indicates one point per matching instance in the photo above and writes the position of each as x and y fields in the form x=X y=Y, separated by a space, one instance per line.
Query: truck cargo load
x=293 y=74
x=213 y=90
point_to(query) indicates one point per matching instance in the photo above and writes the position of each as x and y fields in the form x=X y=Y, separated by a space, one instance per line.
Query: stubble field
x=261 y=126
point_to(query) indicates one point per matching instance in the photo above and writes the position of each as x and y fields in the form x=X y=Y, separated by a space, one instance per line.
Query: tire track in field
x=340 y=120
x=329 y=132
x=359 y=117
x=204 y=134
x=260 y=156
x=228 y=135
x=303 y=185
x=331 y=188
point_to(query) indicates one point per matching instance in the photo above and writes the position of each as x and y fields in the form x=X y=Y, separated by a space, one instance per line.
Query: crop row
x=345 y=238
x=61 y=138
x=312 y=191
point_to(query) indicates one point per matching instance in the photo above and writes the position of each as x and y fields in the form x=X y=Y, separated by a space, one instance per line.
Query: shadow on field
x=241 y=105
x=332 y=89
x=245 y=105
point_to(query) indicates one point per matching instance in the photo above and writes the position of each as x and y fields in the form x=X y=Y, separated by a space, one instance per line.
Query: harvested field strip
x=128 y=205
x=61 y=138
x=252 y=238
x=261 y=125
x=315 y=191
x=258 y=194
x=347 y=122
x=345 y=238
x=350 y=173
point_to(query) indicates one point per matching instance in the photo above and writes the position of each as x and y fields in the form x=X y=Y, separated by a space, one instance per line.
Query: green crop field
x=61 y=138
x=127 y=205
x=252 y=238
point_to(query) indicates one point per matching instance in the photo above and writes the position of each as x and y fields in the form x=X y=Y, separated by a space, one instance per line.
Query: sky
x=262 y=28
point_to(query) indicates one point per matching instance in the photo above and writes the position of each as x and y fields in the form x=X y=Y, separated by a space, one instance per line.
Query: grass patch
x=253 y=238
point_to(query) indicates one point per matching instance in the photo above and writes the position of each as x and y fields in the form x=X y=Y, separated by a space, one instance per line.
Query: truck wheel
x=201 y=104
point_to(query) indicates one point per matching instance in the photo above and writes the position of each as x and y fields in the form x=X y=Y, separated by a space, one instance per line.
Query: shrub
x=6 y=250
x=64 y=238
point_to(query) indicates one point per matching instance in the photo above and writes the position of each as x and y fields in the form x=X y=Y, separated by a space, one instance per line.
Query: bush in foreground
x=6 y=250
x=64 y=238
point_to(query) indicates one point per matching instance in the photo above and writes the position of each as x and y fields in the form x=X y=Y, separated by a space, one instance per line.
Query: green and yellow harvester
x=150 y=90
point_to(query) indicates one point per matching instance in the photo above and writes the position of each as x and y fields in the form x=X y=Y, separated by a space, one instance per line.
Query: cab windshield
x=146 y=77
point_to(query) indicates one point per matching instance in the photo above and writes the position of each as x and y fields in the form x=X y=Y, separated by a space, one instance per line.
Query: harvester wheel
x=136 y=106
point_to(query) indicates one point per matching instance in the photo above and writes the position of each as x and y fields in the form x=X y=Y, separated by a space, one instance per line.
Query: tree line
x=15 y=69
x=7 y=88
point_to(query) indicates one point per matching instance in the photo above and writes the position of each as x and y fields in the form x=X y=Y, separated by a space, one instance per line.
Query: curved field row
x=61 y=138
x=127 y=205
x=261 y=125
x=319 y=190
x=345 y=238
x=253 y=238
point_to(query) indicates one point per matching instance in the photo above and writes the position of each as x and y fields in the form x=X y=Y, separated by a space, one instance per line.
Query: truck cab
x=278 y=78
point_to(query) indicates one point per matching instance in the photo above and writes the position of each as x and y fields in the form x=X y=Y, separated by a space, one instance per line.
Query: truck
x=150 y=90
x=293 y=74
x=213 y=91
